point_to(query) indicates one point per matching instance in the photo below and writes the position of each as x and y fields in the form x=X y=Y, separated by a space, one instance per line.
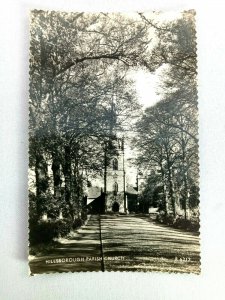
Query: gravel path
x=147 y=246
x=122 y=243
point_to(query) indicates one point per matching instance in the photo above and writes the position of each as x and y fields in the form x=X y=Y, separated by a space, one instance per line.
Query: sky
x=146 y=86
x=146 y=82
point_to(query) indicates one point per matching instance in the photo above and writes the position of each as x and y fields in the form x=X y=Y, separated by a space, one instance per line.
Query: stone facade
x=115 y=179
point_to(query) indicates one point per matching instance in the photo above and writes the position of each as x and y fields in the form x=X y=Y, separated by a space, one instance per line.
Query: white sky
x=146 y=85
x=146 y=82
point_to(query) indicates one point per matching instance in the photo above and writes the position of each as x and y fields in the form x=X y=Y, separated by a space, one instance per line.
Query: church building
x=108 y=192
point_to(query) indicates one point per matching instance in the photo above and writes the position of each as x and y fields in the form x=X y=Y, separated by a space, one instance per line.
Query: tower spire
x=112 y=116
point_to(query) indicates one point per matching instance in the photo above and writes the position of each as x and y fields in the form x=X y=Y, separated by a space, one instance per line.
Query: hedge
x=43 y=232
x=179 y=222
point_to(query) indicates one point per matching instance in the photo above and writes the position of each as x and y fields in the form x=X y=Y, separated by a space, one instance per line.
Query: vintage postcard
x=113 y=142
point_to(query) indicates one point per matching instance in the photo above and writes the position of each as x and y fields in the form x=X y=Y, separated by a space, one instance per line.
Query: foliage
x=77 y=223
x=191 y=224
x=167 y=141
x=81 y=96
x=44 y=232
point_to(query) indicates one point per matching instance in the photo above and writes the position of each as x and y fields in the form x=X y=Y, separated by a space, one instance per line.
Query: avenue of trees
x=167 y=141
x=80 y=95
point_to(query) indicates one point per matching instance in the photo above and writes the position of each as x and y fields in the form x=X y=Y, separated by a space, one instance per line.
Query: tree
x=76 y=95
x=167 y=133
x=81 y=97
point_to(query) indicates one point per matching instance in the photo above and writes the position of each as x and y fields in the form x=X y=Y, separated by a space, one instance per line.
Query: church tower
x=114 y=176
x=107 y=193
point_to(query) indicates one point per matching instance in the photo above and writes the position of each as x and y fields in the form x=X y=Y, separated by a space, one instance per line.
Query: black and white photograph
x=113 y=142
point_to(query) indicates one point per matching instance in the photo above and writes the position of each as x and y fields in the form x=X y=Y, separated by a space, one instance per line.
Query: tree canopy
x=81 y=96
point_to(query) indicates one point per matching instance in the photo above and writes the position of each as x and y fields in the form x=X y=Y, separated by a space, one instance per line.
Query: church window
x=115 y=188
x=115 y=164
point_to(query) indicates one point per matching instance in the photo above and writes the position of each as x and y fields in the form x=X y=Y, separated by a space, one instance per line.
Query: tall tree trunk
x=56 y=180
x=41 y=174
x=78 y=183
x=185 y=177
x=56 y=175
x=76 y=188
x=165 y=198
x=186 y=191
x=67 y=175
x=171 y=190
x=170 y=180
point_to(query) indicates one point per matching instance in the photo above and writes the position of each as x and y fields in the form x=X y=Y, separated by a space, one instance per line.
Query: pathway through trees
x=120 y=243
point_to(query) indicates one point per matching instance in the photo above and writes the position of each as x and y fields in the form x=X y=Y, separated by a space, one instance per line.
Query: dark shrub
x=77 y=223
x=169 y=220
x=165 y=219
x=44 y=232
x=84 y=215
x=190 y=225
x=32 y=206
x=64 y=227
x=179 y=222
x=160 y=217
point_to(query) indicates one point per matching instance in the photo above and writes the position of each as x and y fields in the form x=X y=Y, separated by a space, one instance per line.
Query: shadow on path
x=126 y=243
